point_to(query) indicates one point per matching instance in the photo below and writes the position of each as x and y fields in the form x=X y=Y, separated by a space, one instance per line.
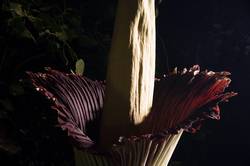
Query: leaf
x=61 y=35
x=17 y=9
x=79 y=67
x=17 y=25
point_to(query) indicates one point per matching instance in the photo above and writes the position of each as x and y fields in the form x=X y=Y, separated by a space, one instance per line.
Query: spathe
x=182 y=100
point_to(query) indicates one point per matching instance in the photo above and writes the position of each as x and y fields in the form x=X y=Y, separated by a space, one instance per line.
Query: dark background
x=214 y=34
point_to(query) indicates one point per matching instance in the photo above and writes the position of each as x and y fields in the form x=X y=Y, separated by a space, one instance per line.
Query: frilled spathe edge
x=77 y=100
x=182 y=100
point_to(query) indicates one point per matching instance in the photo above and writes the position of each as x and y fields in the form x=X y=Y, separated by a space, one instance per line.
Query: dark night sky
x=216 y=35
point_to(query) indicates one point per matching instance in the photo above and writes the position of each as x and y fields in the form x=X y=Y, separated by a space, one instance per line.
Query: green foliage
x=41 y=29
x=35 y=34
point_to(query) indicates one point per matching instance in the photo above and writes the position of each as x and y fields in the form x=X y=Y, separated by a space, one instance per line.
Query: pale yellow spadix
x=130 y=76
x=131 y=68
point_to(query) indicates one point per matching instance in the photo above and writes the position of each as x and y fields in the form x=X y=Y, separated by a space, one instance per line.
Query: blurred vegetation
x=71 y=36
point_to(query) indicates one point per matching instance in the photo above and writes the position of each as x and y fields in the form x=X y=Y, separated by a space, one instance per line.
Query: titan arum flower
x=132 y=118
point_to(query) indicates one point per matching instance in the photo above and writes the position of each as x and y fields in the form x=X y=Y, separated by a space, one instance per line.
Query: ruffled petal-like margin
x=182 y=101
x=77 y=100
